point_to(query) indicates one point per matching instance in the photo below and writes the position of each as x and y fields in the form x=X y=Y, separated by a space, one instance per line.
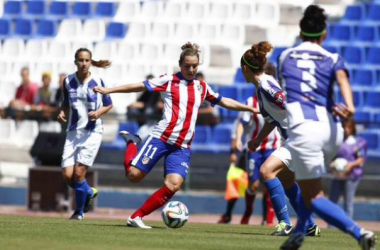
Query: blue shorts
x=177 y=160
x=255 y=160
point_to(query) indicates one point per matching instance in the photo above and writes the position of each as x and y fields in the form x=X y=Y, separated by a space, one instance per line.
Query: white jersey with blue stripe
x=308 y=72
x=271 y=103
x=81 y=99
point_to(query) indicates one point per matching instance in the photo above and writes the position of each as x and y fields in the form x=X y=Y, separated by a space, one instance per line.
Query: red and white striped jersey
x=182 y=99
x=254 y=123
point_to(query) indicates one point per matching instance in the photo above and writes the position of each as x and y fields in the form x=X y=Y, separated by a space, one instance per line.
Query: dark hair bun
x=314 y=19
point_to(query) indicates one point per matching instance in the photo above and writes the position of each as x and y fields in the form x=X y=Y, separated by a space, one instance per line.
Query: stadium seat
x=127 y=51
x=171 y=52
x=373 y=58
x=185 y=29
x=332 y=48
x=221 y=138
x=151 y=9
x=58 y=10
x=67 y=67
x=61 y=50
x=36 y=8
x=75 y=45
x=70 y=30
x=267 y=14
x=174 y=9
x=7 y=131
x=24 y=27
x=13 y=48
x=82 y=10
x=202 y=134
x=244 y=12
x=239 y=77
x=105 y=50
x=354 y=55
x=275 y=54
x=94 y=30
x=372 y=100
x=36 y=49
x=220 y=10
x=246 y=91
x=46 y=28
x=41 y=67
x=116 y=30
x=358 y=97
x=197 y=10
x=372 y=139
x=7 y=89
x=340 y=34
x=367 y=34
x=362 y=117
x=116 y=73
x=375 y=121
x=158 y=69
x=5 y=70
x=364 y=77
x=233 y=33
x=105 y=9
x=373 y=13
x=5 y=28
x=127 y=11
x=354 y=14
x=119 y=142
x=151 y=51
x=229 y=91
x=162 y=31
x=208 y=33
x=137 y=31
x=26 y=133
x=13 y=8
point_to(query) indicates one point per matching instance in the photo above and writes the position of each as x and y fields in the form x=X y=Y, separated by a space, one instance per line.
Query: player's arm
x=93 y=115
x=239 y=135
x=229 y=103
x=61 y=118
x=347 y=110
x=264 y=132
x=127 y=88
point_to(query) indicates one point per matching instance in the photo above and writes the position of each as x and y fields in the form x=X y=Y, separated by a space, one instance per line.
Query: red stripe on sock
x=155 y=201
x=130 y=153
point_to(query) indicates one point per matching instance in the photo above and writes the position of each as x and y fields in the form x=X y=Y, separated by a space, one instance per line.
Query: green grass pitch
x=23 y=232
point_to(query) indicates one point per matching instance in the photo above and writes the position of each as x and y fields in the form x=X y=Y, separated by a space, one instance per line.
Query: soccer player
x=315 y=131
x=82 y=108
x=171 y=138
x=271 y=103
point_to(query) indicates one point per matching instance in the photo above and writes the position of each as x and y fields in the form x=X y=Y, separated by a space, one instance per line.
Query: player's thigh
x=69 y=150
x=68 y=173
x=89 y=147
x=305 y=144
x=333 y=144
x=177 y=162
x=151 y=152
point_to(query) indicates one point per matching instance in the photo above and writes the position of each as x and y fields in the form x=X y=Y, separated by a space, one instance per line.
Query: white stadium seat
x=26 y=133
x=232 y=33
x=267 y=14
x=150 y=52
x=127 y=51
x=13 y=49
x=174 y=10
x=127 y=10
x=162 y=31
x=220 y=10
x=94 y=30
x=7 y=93
x=105 y=51
x=36 y=49
x=151 y=9
x=7 y=130
x=138 y=31
x=70 y=30
x=60 y=49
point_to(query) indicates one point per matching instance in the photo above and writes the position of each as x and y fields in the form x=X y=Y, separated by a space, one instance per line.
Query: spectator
x=353 y=150
x=43 y=97
x=25 y=93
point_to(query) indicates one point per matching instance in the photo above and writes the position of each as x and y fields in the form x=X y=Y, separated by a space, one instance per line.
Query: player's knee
x=265 y=173
x=173 y=185
x=135 y=175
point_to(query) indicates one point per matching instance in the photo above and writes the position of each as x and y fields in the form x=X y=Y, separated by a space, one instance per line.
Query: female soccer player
x=172 y=136
x=271 y=103
x=82 y=107
x=315 y=131
x=354 y=150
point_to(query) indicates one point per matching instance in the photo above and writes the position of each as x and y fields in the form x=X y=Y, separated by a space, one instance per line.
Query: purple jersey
x=351 y=149
x=308 y=75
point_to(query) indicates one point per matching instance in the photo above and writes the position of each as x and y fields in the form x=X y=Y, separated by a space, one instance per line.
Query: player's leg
x=147 y=157
x=82 y=190
x=350 y=190
x=131 y=150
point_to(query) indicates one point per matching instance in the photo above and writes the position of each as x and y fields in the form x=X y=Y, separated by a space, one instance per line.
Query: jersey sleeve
x=212 y=96
x=274 y=94
x=159 y=84
x=341 y=65
x=106 y=99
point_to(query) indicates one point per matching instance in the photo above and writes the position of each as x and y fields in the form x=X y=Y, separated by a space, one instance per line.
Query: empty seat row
x=59 y=9
x=362 y=12
x=346 y=33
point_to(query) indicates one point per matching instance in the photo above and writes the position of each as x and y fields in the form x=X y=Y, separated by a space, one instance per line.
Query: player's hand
x=93 y=115
x=101 y=90
x=61 y=118
x=255 y=111
x=343 y=111
x=253 y=145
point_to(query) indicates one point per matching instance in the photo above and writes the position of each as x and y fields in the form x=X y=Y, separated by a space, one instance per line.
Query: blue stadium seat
x=354 y=14
x=36 y=8
x=373 y=58
x=372 y=99
x=362 y=117
x=239 y=77
x=229 y=91
x=47 y=28
x=24 y=27
x=82 y=10
x=105 y=9
x=357 y=96
x=354 y=55
x=372 y=139
x=364 y=77
x=332 y=48
x=58 y=10
x=13 y=8
x=202 y=134
x=221 y=139
x=367 y=34
x=340 y=34
x=5 y=28
x=131 y=127
x=275 y=54
x=116 y=30
x=119 y=142
x=375 y=123
x=373 y=13
x=245 y=91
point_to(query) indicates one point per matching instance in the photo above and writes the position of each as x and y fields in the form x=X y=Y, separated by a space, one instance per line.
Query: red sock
x=270 y=211
x=156 y=200
x=129 y=154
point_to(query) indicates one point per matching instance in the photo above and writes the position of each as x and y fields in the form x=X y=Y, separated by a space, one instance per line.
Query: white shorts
x=80 y=146
x=284 y=155
x=313 y=145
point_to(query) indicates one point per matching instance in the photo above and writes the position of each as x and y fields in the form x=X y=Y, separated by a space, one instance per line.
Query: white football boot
x=137 y=222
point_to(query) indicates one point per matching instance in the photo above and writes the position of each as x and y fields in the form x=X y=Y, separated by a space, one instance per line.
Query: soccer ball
x=175 y=214
x=340 y=164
